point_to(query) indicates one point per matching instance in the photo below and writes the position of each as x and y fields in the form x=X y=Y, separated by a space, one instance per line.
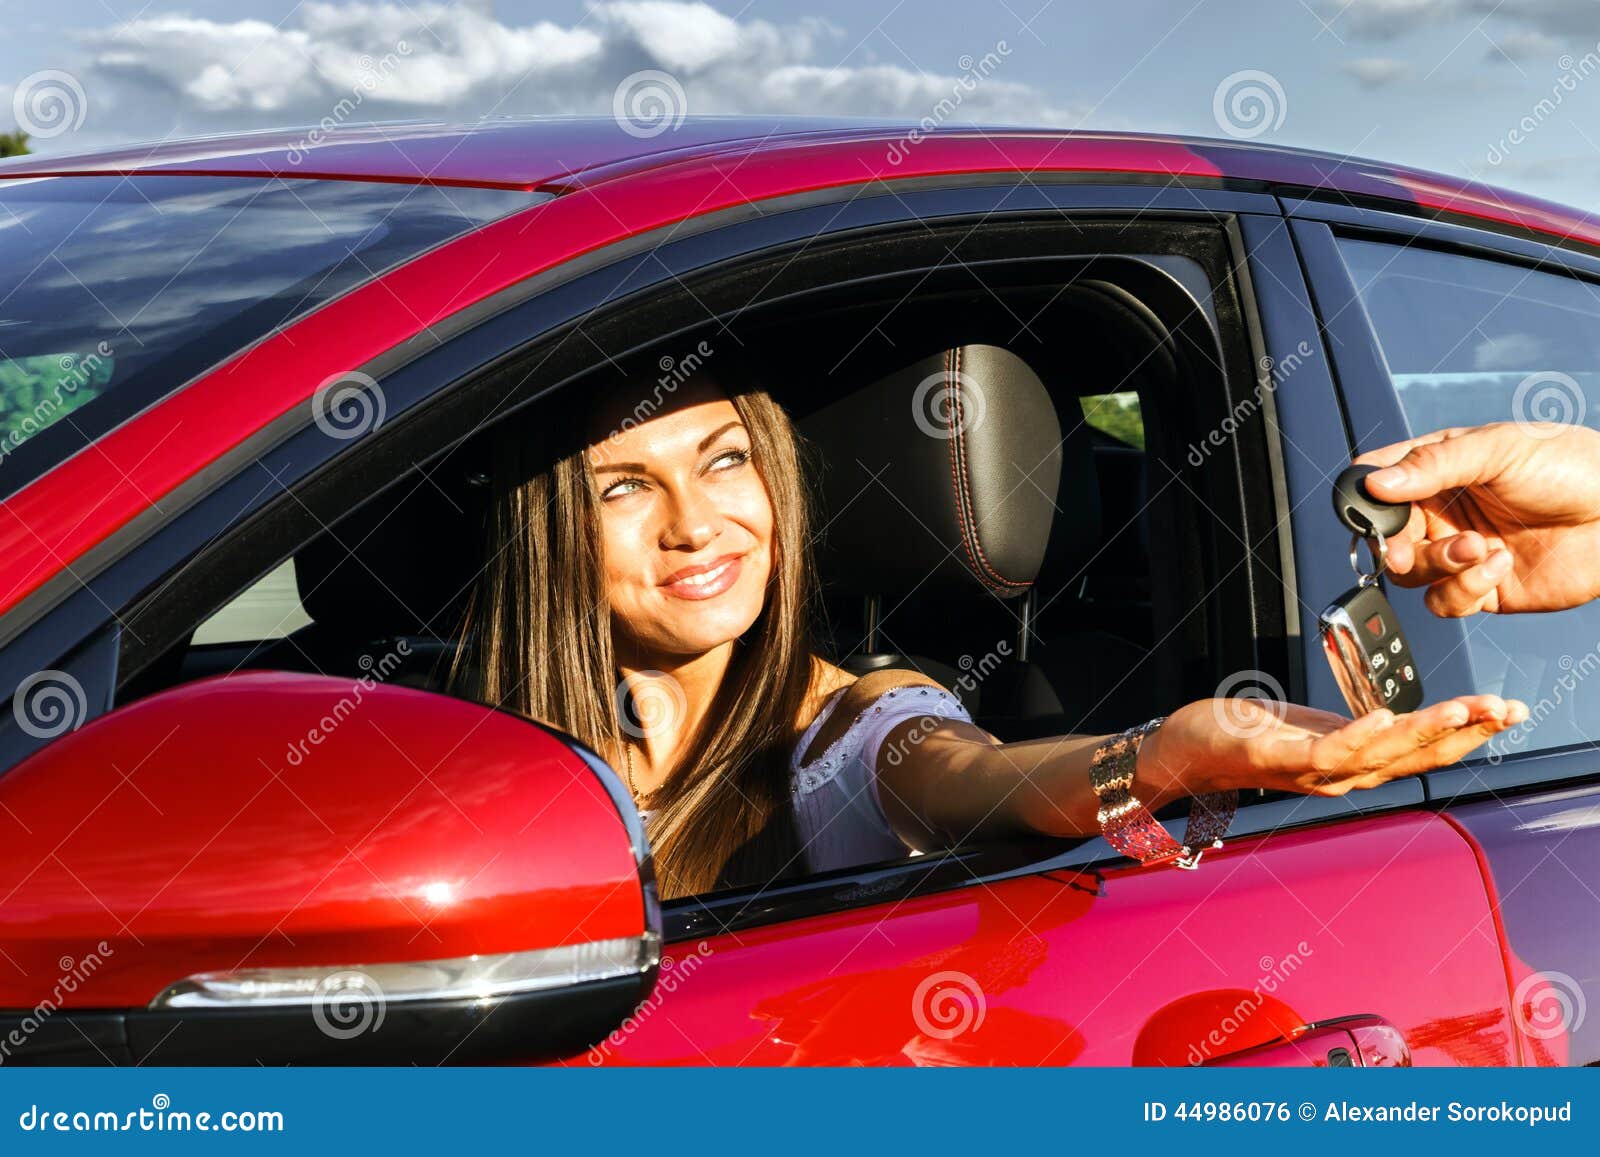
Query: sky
x=1503 y=91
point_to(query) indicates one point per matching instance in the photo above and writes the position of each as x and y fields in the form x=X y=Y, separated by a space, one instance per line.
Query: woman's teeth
x=704 y=577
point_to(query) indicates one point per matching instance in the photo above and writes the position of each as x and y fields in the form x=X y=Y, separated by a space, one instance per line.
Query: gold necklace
x=627 y=754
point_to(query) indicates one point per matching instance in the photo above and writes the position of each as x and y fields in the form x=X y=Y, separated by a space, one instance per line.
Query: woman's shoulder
x=841 y=700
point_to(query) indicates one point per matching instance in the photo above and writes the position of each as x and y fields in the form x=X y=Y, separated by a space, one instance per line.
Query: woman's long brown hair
x=538 y=640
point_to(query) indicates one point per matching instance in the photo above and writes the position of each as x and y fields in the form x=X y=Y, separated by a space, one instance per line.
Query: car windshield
x=115 y=291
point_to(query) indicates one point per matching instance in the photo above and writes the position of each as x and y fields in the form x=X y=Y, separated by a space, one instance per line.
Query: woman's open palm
x=1252 y=743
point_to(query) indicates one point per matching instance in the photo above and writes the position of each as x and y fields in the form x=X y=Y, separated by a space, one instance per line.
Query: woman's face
x=686 y=526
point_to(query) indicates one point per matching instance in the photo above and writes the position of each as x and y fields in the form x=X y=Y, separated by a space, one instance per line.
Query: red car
x=246 y=383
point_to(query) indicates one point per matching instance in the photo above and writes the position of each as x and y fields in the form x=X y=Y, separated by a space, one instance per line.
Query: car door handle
x=1356 y=1042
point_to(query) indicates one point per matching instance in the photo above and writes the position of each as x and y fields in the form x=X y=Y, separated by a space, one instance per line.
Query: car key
x=1361 y=634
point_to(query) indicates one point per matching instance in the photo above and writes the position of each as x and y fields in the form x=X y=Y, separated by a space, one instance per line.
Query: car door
x=1301 y=942
x=997 y=955
x=1441 y=325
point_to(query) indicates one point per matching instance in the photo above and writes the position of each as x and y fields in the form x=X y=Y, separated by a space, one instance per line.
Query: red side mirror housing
x=277 y=867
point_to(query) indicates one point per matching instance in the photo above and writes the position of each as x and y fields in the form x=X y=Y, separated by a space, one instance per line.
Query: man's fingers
x=1389 y=455
x=1429 y=562
x=1431 y=467
x=1470 y=591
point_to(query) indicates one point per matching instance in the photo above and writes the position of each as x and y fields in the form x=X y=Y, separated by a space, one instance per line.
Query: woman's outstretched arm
x=952 y=781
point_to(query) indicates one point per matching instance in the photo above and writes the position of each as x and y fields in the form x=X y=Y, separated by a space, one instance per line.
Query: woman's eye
x=622 y=487
x=729 y=459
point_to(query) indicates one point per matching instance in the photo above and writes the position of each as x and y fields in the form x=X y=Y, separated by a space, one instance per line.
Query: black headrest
x=399 y=565
x=940 y=477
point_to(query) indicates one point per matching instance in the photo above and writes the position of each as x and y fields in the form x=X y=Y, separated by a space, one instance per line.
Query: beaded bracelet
x=1128 y=825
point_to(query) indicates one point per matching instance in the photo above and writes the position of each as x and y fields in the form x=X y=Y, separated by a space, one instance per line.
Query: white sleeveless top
x=838 y=815
x=837 y=810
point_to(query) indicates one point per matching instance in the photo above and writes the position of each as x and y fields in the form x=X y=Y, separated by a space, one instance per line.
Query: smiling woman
x=649 y=588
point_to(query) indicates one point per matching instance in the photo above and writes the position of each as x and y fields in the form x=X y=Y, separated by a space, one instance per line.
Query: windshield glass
x=115 y=291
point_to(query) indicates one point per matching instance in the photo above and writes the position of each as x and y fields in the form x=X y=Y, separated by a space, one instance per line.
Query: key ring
x=1362 y=578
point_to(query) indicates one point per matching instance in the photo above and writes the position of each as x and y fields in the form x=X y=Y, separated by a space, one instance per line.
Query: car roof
x=556 y=153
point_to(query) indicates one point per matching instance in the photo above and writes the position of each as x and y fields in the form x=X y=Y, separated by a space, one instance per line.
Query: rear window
x=115 y=291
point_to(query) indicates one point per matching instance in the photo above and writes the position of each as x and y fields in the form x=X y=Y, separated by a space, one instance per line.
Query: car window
x=269 y=609
x=117 y=290
x=1466 y=341
x=1116 y=414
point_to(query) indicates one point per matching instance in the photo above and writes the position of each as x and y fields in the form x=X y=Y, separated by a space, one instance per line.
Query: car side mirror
x=286 y=868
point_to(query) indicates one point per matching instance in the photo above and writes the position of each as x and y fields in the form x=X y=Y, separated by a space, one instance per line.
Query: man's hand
x=1505 y=518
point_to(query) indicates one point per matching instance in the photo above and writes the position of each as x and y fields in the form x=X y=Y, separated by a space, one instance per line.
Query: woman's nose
x=695 y=521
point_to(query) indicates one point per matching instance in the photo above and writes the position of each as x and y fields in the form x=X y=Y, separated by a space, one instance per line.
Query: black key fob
x=1361 y=635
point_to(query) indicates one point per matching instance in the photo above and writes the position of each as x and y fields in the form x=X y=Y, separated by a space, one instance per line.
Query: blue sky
x=1444 y=84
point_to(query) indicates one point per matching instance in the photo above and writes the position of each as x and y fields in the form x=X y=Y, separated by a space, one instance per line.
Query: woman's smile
x=705 y=581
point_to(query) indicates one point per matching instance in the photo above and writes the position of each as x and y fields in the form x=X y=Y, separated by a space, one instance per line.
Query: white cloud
x=1566 y=20
x=1388 y=19
x=1523 y=45
x=1377 y=71
x=170 y=74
